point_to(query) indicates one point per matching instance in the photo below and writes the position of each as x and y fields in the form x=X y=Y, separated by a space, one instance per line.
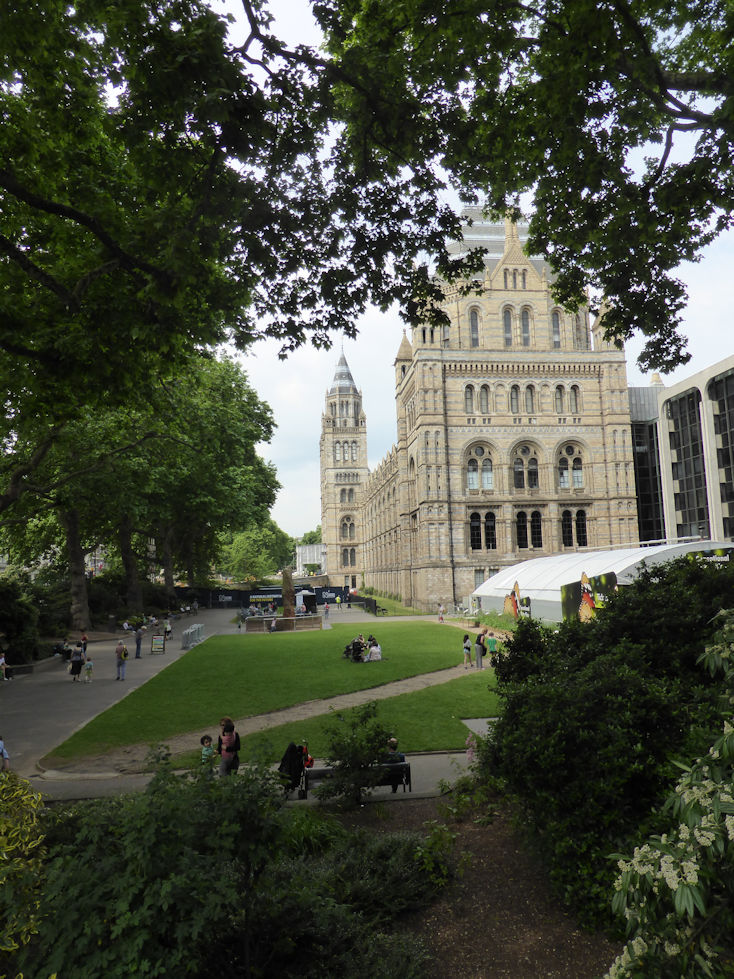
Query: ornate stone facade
x=513 y=441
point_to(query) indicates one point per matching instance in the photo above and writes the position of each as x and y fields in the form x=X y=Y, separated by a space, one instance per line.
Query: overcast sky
x=295 y=389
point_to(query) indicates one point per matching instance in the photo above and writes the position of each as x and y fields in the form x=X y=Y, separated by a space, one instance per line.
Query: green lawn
x=426 y=720
x=246 y=675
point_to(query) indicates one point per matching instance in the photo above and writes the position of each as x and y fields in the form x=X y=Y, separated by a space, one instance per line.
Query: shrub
x=357 y=742
x=592 y=715
x=21 y=847
x=214 y=877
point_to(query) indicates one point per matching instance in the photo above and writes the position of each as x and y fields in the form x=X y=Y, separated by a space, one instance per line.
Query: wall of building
x=514 y=438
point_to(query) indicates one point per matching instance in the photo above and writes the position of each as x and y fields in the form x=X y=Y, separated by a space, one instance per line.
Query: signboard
x=157 y=644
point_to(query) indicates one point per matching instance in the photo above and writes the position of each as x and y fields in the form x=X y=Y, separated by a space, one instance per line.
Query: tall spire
x=343 y=382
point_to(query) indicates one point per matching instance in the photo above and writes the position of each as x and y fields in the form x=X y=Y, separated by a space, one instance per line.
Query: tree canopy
x=615 y=118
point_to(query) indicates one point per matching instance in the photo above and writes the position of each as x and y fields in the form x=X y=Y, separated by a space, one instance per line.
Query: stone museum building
x=513 y=440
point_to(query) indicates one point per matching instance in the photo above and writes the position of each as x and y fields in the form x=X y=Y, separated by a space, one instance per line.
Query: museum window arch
x=525 y=326
x=570 y=466
x=556 y=329
x=521 y=529
x=473 y=327
x=469 y=399
x=559 y=399
x=574 y=399
x=478 y=467
x=536 y=529
x=507 y=325
x=530 y=399
x=490 y=531
x=347 y=528
x=525 y=467
x=484 y=399
x=515 y=399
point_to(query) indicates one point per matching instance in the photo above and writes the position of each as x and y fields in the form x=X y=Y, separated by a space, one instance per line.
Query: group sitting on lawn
x=361 y=650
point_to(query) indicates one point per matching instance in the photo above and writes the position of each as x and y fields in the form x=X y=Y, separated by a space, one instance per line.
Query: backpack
x=123 y=654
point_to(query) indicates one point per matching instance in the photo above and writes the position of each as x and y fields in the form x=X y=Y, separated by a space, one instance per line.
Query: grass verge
x=245 y=675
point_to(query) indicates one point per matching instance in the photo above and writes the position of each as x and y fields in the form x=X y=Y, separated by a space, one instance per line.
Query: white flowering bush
x=677 y=891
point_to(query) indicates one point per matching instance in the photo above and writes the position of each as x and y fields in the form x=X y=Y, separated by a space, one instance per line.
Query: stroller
x=292 y=770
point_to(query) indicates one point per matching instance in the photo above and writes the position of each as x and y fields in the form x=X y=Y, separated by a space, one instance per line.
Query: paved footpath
x=40 y=710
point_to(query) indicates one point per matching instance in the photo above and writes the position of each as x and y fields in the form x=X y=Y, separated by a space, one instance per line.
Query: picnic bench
x=380 y=610
x=395 y=775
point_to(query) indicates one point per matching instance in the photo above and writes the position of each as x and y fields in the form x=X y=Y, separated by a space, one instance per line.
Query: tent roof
x=542 y=577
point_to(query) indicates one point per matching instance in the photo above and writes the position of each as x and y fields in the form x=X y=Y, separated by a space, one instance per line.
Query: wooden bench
x=396 y=774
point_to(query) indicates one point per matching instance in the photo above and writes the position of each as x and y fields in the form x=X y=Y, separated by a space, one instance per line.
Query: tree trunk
x=289 y=593
x=134 y=598
x=80 y=617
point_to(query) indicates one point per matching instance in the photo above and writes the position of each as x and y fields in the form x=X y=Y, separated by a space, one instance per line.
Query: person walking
x=441 y=611
x=4 y=756
x=228 y=746
x=4 y=666
x=467 y=653
x=138 y=641
x=480 y=647
x=78 y=659
x=121 y=659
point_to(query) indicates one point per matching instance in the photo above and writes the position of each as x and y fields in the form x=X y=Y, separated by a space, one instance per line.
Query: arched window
x=475 y=532
x=474 y=328
x=506 y=283
x=530 y=399
x=521 y=523
x=563 y=474
x=581 y=538
x=507 y=320
x=468 y=399
x=573 y=399
x=524 y=279
x=536 y=529
x=559 y=400
x=515 y=399
x=490 y=532
x=525 y=319
x=484 y=399
x=518 y=472
x=337 y=452
x=350 y=496
x=354 y=451
x=345 y=450
x=532 y=473
x=578 y=473
x=566 y=529
x=342 y=496
x=345 y=557
x=347 y=530
x=472 y=474
x=487 y=474
x=514 y=278
x=556 y=321
x=352 y=556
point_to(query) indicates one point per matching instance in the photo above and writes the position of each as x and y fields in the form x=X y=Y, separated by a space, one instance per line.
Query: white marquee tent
x=541 y=579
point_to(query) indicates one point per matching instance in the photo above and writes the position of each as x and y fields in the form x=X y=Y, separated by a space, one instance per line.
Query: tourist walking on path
x=441 y=611
x=228 y=746
x=77 y=661
x=138 y=641
x=121 y=659
x=3 y=666
x=480 y=648
x=467 y=652
x=4 y=757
